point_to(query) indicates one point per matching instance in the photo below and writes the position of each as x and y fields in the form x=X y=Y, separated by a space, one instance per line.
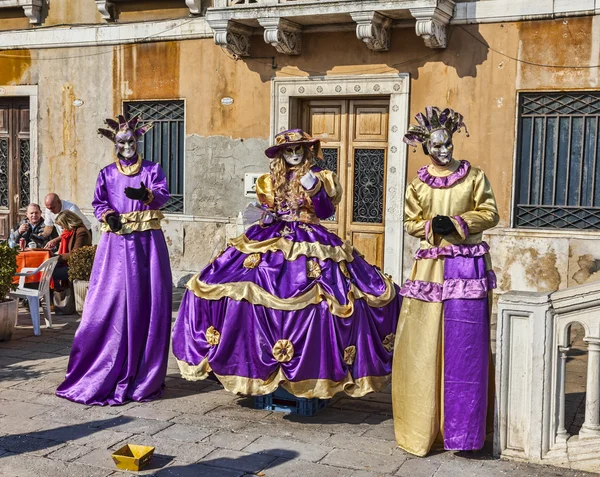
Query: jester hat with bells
x=122 y=126
x=434 y=119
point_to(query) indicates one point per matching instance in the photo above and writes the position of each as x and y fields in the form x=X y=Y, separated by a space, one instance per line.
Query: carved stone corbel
x=284 y=35
x=233 y=37
x=195 y=6
x=107 y=9
x=33 y=11
x=374 y=29
x=432 y=22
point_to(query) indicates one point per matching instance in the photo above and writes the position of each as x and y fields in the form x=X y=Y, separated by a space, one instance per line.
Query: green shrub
x=81 y=261
x=8 y=267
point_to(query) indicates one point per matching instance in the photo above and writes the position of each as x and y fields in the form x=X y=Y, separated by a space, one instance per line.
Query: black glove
x=137 y=194
x=114 y=222
x=442 y=225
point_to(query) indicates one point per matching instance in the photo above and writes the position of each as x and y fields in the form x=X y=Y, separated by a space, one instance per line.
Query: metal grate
x=330 y=155
x=4 y=173
x=24 y=177
x=369 y=168
x=558 y=178
x=164 y=143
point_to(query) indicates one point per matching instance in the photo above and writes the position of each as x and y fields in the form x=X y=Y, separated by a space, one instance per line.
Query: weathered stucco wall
x=224 y=142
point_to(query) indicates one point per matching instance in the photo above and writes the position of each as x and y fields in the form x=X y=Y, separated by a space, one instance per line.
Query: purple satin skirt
x=121 y=347
x=326 y=347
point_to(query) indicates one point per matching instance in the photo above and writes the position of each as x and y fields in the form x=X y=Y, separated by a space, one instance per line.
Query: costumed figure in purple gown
x=441 y=363
x=289 y=303
x=121 y=347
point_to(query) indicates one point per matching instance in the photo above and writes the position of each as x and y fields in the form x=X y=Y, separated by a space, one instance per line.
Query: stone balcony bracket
x=284 y=35
x=232 y=36
x=374 y=29
x=31 y=8
x=432 y=22
x=107 y=8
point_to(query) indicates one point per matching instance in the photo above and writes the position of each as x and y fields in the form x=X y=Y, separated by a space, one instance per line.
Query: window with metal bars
x=164 y=143
x=558 y=161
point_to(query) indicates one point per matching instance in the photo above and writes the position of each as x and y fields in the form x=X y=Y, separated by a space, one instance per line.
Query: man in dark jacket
x=30 y=229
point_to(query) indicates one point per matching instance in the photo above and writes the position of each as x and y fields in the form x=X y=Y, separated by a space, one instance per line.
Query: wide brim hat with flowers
x=293 y=137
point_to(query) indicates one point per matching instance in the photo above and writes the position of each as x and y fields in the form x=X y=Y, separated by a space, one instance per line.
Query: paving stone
x=301 y=468
x=239 y=412
x=134 y=425
x=209 y=423
x=281 y=447
x=82 y=434
x=183 y=432
x=375 y=407
x=19 y=395
x=366 y=473
x=33 y=466
x=22 y=410
x=380 y=427
x=461 y=468
x=15 y=425
x=23 y=443
x=148 y=412
x=69 y=452
x=340 y=416
x=197 y=470
x=418 y=468
x=230 y=440
x=234 y=460
x=360 y=443
x=187 y=453
x=286 y=431
x=363 y=461
x=14 y=353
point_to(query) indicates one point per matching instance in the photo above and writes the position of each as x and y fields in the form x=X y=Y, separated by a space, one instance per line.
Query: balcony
x=32 y=8
x=283 y=21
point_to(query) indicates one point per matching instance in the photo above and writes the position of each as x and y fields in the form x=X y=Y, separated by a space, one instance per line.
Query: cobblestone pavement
x=200 y=430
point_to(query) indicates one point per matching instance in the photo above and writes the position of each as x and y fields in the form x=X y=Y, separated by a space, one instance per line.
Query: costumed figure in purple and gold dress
x=441 y=361
x=289 y=303
x=121 y=347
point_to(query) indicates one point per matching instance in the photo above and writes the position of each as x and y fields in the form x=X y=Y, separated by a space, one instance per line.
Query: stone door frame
x=286 y=94
x=34 y=166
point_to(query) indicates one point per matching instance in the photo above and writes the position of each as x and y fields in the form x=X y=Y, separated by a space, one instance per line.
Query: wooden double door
x=354 y=138
x=14 y=162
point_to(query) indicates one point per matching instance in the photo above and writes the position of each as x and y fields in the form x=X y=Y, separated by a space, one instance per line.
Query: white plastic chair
x=33 y=296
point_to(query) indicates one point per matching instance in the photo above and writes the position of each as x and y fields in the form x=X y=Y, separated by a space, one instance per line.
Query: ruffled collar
x=447 y=181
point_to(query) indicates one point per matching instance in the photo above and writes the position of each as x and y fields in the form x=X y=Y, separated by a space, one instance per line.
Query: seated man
x=31 y=228
x=54 y=205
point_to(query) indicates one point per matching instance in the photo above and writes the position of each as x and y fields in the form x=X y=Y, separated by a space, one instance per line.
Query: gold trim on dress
x=313 y=269
x=344 y=269
x=137 y=221
x=283 y=351
x=252 y=260
x=309 y=388
x=292 y=250
x=350 y=355
x=213 y=337
x=257 y=295
x=388 y=342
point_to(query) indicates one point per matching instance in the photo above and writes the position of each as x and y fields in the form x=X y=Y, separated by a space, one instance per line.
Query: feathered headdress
x=122 y=125
x=433 y=120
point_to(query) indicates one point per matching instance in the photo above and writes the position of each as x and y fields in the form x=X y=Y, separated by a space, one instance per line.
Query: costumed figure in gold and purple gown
x=121 y=347
x=288 y=303
x=441 y=361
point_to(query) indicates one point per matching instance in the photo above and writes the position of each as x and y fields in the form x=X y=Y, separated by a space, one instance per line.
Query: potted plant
x=80 y=269
x=8 y=306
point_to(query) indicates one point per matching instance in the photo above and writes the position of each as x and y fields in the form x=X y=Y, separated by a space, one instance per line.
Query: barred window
x=557 y=171
x=164 y=143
